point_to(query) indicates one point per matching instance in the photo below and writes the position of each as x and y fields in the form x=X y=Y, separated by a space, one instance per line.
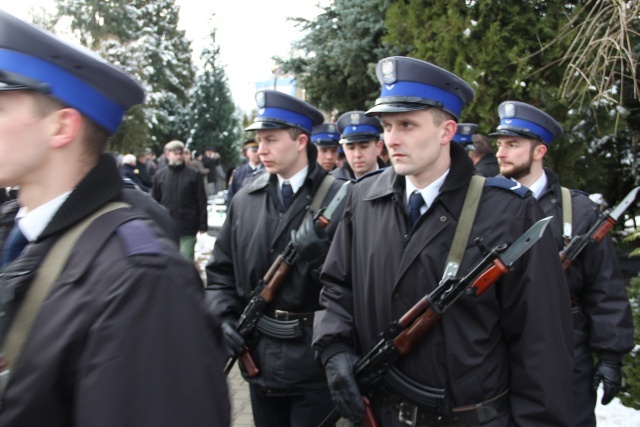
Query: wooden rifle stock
x=578 y=243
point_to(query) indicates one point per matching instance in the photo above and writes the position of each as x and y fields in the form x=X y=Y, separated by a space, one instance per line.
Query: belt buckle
x=407 y=413
x=281 y=315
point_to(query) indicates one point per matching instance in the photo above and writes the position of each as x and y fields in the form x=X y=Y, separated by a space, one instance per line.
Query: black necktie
x=287 y=193
x=14 y=245
x=416 y=201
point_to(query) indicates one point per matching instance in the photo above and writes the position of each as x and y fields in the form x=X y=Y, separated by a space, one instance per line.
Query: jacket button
x=271 y=250
x=443 y=218
x=396 y=296
x=553 y=200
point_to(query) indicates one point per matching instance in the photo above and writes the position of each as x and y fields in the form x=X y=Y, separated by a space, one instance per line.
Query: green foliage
x=141 y=37
x=212 y=113
x=630 y=395
x=335 y=61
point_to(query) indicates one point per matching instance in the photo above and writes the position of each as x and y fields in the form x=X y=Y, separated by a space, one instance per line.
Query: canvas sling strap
x=566 y=214
x=44 y=279
x=325 y=185
x=463 y=230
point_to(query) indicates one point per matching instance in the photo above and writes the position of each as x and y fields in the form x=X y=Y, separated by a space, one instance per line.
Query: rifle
x=605 y=221
x=403 y=334
x=269 y=285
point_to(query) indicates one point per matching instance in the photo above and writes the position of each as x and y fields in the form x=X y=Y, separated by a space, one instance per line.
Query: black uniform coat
x=255 y=232
x=180 y=189
x=517 y=335
x=123 y=338
x=488 y=165
x=240 y=174
x=595 y=280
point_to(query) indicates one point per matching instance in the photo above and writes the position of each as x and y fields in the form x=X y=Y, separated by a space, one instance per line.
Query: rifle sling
x=463 y=230
x=46 y=276
x=320 y=194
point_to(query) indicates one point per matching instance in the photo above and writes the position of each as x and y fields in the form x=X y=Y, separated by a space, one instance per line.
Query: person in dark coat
x=291 y=389
x=482 y=156
x=360 y=140
x=602 y=320
x=180 y=189
x=122 y=336
x=247 y=171
x=211 y=160
x=503 y=358
x=327 y=139
x=129 y=170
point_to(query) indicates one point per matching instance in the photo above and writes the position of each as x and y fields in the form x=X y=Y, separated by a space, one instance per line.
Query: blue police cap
x=409 y=84
x=33 y=59
x=325 y=135
x=277 y=110
x=464 y=133
x=520 y=119
x=251 y=142
x=355 y=126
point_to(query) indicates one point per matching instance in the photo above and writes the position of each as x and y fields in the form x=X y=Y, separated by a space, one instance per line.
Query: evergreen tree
x=142 y=37
x=336 y=59
x=213 y=116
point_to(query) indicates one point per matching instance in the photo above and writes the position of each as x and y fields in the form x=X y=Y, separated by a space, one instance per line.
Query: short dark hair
x=482 y=144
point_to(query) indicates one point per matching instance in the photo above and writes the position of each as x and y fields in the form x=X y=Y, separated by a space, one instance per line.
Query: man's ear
x=449 y=128
x=66 y=125
x=303 y=140
x=540 y=151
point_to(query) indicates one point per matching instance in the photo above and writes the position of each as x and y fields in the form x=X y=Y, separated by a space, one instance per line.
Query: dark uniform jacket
x=345 y=171
x=129 y=172
x=488 y=166
x=595 y=282
x=240 y=174
x=255 y=232
x=123 y=338
x=516 y=336
x=180 y=189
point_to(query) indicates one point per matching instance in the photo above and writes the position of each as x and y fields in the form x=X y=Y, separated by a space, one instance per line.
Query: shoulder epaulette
x=370 y=174
x=507 y=184
x=138 y=238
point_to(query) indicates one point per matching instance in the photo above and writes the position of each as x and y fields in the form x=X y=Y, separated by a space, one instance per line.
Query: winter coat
x=255 y=232
x=345 y=171
x=123 y=337
x=240 y=174
x=515 y=336
x=603 y=322
x=488 y=165
x=180 y=189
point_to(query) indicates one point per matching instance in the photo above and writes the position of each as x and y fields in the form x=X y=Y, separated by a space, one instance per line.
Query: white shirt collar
x=538 y=187
x=429 y=193
x=296 y=180
x=33 y=223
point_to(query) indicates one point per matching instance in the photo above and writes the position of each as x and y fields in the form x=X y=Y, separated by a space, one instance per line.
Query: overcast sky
x=249 y=33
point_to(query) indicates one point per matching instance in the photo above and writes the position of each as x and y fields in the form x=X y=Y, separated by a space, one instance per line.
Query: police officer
x=252 y=168
x=602 y=316
x=291 y=389
x=501 y=359
x=121 y=336
x=360 y=140
x=327 y=138
x=464 y=133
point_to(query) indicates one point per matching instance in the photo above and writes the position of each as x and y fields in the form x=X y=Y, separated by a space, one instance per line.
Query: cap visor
x=359 y=138
x=267 y=125
x=504 y=132
x=397 y=107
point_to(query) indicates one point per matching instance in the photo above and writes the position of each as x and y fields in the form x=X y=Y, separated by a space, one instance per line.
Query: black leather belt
x=414 y=415
x=305 y=318
x=284 y=324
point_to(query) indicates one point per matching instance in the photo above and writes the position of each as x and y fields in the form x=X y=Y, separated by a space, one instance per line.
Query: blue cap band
x=462 y=138
x=325 y=136
x=360 y=129
x=65 y=86
x=413 y=89
x=287 y=116
x=515 y=122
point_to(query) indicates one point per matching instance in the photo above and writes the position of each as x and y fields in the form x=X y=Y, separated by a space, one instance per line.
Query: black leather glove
x=310 y=241
x=607 y=371
x=233 y=341
x=343 y=386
